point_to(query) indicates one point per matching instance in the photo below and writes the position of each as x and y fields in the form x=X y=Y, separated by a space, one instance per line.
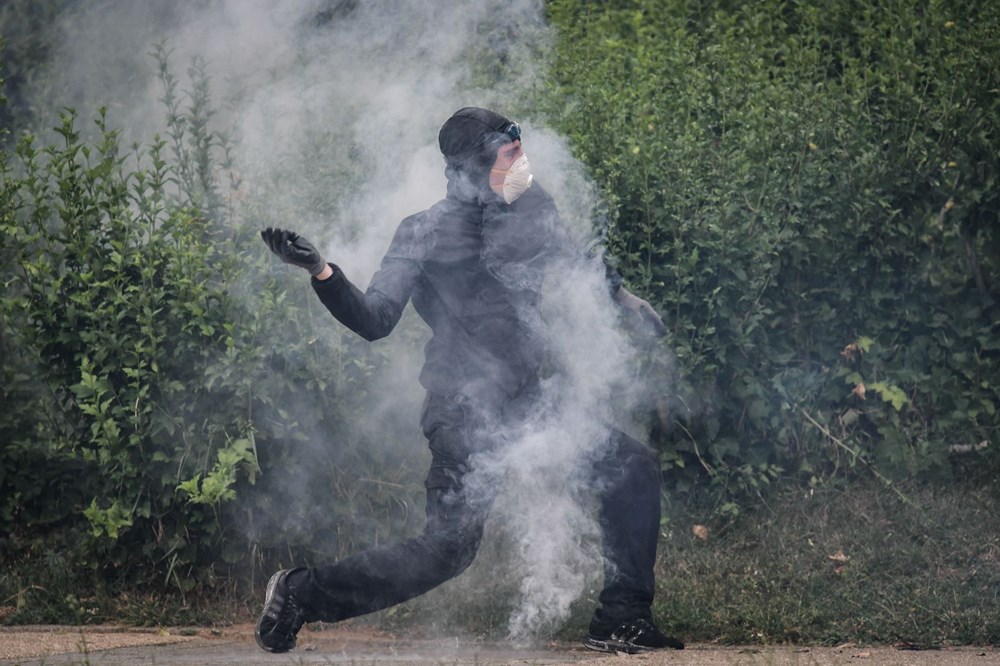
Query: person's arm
x=548 y=224
x=532 y=230
x=372 y=314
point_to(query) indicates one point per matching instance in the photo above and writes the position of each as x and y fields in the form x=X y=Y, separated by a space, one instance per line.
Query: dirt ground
x=114 y=646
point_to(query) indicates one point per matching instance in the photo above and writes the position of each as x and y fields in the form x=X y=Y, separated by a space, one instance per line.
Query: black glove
x=294 y=249
x=642 y=308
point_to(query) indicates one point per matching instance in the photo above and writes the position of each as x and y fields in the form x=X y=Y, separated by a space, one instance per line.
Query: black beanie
x=468 y=132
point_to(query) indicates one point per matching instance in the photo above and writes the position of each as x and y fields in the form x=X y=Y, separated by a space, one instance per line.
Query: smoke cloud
x=546 y=468
x=334 y=108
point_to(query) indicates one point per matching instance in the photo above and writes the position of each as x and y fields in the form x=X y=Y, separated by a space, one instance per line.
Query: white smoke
x=547 y=469
x=334 y=106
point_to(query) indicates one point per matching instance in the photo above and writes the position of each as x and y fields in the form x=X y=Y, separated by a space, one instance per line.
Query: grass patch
x=821 y=567
x=836 y=565
x=54 y=584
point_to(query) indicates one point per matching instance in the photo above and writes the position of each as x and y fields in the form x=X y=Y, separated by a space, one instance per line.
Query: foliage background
x=807 y=192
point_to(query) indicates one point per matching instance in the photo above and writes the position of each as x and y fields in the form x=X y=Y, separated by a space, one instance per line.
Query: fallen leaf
x=839 y=556
x=859 y=391
x=700 y=531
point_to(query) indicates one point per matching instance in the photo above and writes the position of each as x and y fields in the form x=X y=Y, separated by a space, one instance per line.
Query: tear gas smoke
x=334 y=107
x=548 y=500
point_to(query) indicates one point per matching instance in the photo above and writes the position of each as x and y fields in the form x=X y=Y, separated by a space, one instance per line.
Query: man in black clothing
x=473 y=266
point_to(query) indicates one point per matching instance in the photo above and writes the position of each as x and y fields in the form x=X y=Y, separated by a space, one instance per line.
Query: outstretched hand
x=643 y=309
x=294 y=249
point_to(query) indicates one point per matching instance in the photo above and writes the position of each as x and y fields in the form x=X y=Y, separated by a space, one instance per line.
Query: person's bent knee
x=455 y=549
x=633 y=453
x=629 y=463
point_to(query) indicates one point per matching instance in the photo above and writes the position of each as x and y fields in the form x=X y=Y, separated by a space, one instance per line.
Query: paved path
x=107 y=646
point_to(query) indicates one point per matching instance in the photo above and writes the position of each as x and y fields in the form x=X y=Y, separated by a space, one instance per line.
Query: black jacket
x=474 y=273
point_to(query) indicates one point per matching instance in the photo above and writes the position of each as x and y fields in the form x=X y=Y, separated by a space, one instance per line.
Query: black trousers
x=628 y=481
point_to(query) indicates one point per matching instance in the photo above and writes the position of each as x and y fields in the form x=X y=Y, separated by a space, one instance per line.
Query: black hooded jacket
x=474 y=272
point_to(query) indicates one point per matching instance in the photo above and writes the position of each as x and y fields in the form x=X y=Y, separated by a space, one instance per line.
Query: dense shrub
x=157 y=367
x=808 y=192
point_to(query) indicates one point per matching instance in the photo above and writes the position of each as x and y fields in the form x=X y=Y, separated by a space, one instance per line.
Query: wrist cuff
x=334 y=267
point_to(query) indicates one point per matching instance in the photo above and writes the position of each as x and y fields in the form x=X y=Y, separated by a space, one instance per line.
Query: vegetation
x=807 y=192
x=140 y=399
x=836 y=566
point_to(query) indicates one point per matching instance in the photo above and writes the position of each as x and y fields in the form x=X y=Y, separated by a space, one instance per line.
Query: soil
x=113 y=646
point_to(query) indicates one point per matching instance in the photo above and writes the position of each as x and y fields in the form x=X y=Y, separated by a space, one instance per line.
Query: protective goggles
x=513 y=131
x=501 y=136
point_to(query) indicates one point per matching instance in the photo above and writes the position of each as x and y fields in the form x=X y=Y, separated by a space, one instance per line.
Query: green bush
x=157 y=367
x=808 y=193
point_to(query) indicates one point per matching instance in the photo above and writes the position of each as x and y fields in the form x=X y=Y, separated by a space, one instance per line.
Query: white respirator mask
x=517 y=179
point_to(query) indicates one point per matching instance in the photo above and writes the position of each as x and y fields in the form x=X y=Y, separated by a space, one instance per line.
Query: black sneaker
x=281 y=618
x=632 y=637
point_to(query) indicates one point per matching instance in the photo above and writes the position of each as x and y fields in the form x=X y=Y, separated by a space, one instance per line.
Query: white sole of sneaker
x=613 y=647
